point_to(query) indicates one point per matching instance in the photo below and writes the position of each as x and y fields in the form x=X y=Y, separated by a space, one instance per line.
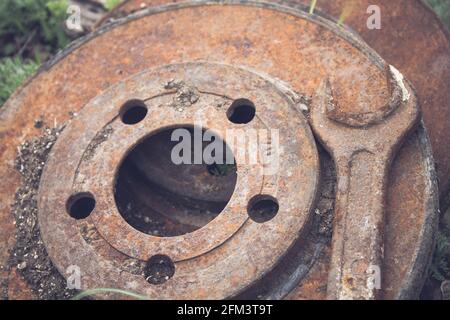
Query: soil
x=324 y=210
x=29 y=254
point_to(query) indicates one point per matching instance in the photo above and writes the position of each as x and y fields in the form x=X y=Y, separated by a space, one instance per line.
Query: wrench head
x=377 y=135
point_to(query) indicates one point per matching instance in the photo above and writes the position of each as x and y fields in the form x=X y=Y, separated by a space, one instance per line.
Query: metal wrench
x=362 y=149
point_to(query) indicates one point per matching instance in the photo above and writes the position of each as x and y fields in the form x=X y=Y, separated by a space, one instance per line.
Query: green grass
x=13 y=72
x=111 y=4
x=312 y=6
x=96 y=291
x=30 y=31
x=30 y=28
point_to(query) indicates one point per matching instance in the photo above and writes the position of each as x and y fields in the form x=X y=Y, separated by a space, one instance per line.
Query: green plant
x=442 y=8
x=440 y=268
x=111 y=4
x=92 y=292
x=24 y=23
x=54 y=29
x=13 y=72
x=312 y=6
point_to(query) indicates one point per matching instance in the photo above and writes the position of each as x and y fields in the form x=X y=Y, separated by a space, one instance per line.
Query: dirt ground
x=29 y=254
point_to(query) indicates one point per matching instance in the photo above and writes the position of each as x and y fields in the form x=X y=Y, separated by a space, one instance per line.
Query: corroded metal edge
x=418 y=270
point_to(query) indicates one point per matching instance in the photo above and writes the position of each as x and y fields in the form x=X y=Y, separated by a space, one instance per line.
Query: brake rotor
x=227 y=254
x=224 y=53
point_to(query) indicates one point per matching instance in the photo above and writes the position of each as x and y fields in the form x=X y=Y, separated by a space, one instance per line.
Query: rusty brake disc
x=225 y=55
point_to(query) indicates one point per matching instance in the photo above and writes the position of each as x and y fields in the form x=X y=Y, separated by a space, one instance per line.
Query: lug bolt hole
x=133 y=112
x=241 y=111
x=262 y=208
x=80 y=205
x=159 y=269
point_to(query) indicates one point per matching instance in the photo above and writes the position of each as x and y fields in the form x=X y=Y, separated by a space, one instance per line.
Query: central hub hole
x=158 y=195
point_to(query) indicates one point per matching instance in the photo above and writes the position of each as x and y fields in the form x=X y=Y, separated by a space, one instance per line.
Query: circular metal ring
x=250 y=248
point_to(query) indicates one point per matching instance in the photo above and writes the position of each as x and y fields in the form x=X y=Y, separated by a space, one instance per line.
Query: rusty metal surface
x=229 y=253
x=102 y=61
x=411 y=38
x=401 y=194
x=362 y=156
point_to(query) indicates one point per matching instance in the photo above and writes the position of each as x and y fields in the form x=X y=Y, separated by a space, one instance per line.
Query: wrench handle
x=357 y=248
